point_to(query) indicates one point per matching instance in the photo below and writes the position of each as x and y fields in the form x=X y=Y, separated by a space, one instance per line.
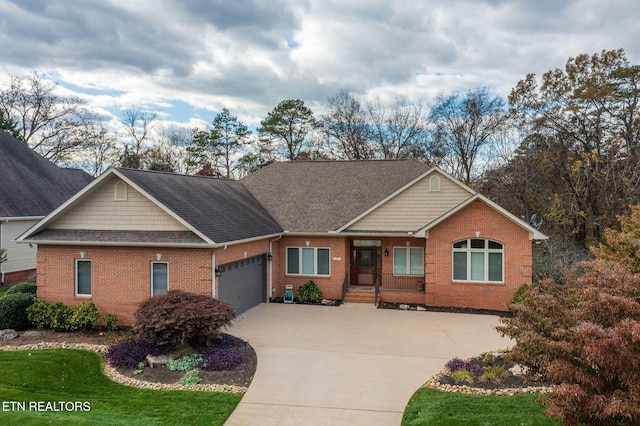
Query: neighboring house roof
x=32 y=186
x=322 y=196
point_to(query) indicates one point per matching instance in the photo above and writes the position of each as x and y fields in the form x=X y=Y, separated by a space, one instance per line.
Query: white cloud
x=248 y=55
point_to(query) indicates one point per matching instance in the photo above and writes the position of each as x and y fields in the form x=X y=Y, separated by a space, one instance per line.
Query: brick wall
x=331 y=285
x=121 y=276
x=441 y=290
x=19 y=276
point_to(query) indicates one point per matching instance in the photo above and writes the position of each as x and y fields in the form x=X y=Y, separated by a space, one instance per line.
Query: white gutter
x=11 y=219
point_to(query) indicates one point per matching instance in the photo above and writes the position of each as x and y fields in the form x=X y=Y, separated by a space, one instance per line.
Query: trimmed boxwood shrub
x=13 y=311
x=38 y=313
x=61 y=317
x=179 y=317
x=85 y=316
x=25 y=287
x=131 y=353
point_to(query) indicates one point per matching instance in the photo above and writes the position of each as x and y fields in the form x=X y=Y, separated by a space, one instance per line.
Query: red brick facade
x=121 y=276
x=477 y=220
x=19 y=276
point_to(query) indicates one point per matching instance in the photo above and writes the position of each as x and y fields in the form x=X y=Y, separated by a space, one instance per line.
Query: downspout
x=271 y=266
x=1 y=268
x=213 y=270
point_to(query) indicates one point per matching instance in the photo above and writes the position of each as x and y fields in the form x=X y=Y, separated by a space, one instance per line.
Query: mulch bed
x=240 y=375
x=422 y=307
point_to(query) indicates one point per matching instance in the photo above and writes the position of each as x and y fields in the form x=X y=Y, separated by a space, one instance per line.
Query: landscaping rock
x=8 y=334
x=32 y=333
x=158 y=361
x=518 y=370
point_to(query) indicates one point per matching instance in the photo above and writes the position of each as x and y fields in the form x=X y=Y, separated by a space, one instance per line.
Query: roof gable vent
x=120 y=192
x=434 y=183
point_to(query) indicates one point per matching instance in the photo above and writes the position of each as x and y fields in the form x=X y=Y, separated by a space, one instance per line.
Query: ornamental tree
x=179 y=317
x=584 y=335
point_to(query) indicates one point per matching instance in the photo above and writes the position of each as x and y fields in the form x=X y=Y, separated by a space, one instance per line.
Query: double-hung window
x=83 y=277
x=478 y=260
x=307 y=261
x=159 y=278
x=408 y=261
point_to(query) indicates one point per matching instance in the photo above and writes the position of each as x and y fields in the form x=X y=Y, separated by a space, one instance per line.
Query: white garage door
x=242 y=283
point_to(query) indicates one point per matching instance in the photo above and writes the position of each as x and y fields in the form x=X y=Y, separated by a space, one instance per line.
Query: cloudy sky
x=188 y=59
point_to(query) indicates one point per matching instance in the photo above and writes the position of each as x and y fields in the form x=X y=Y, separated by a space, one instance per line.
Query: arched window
x=478 y=260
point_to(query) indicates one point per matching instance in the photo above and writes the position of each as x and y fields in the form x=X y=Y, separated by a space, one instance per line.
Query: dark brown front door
x=364 y=265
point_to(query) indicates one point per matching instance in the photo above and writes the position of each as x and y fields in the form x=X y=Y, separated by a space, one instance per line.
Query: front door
x=364 y=261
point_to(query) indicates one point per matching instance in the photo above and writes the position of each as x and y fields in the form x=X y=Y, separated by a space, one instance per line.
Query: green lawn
x=435 y=408
x=53 y=375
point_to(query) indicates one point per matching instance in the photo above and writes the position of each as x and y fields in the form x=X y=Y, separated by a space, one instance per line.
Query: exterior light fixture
x=218 y=272
x=269 y=257
x=386 y=252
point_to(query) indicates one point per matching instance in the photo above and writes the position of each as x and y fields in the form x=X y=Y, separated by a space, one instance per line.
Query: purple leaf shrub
x=131 y=353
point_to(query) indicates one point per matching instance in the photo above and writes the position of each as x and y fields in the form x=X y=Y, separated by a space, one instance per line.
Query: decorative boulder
x=8 y=334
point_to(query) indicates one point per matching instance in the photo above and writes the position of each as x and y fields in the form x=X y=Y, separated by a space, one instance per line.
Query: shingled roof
x=223 y=210
x=30 y=185
x=321 y=196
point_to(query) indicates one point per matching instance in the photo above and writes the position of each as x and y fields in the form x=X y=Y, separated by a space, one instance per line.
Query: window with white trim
x=408 y=261
x=308 y=261
x=83 y=277
x=159 y=278
x=478 y=260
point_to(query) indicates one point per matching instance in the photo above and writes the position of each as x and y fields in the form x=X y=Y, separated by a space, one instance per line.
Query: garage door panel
x=242 y=283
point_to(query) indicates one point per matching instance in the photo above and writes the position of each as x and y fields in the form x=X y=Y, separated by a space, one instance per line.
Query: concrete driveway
x=349 y=365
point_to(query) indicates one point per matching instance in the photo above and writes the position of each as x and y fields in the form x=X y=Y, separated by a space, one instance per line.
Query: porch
x=407 y=288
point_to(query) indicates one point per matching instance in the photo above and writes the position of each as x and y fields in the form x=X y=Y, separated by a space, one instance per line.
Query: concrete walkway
x=349 y=365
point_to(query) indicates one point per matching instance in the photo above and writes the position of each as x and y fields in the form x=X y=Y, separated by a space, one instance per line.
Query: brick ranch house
x=391 y=228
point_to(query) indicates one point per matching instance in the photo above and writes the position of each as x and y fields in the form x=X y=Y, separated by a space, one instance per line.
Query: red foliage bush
x=181 y=317
x=584 y=334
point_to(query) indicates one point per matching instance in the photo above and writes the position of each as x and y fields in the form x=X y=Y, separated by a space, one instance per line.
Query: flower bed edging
x=434 y=383
x=113 y=374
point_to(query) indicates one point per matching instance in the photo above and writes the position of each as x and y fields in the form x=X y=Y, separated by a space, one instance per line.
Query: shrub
x=190 y=378
x=38 y=313
x=131 y=353
x=25 y=287
x=13 y=311
x=60 y=317
x=181 y=317
x=463 y=375
x=218 y=358
x=493 y=373
x=186 y=363
x=109 y=321
x=84 y=316
x=310 y=293
x=456 y=364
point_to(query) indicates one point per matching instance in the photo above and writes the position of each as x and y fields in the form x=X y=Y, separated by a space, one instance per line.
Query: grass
x=54 y=375
x=435 y=408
